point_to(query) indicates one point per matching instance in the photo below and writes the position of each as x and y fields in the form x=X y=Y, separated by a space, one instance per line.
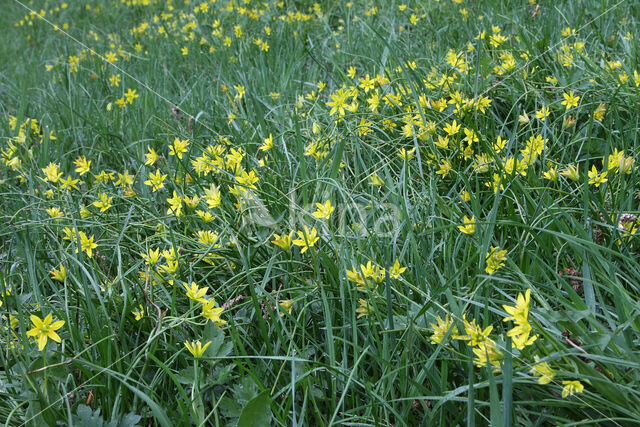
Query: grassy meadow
x=288 y=213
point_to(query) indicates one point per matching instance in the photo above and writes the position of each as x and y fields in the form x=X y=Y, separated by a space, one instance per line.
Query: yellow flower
x=59 y=274
x=55 y=212
x=178 y=147
x=196 y=348
x=551 y=174
x=87 y=244
x=306 y=239
x=364 y=308
x=452 y=128
x=542 y=113
x=268 y=144
x=82 y=164
x=130 y=95
x=103 y=203
x=445 y=168
x=52 y=172
x=571 y=172
x=68 y=183
x=114 y=80
x=571 y=387
x=470 y=136
x=521 y=335
x=155 y=181
x=487 y=353
x=595 y=178
x=283 y=241
x=441 y=329
x=205 y=216
x=152 y=257
x=406 y=154
x=287 y=305
x=324 y=210
x=396 y=270
x=338 y=102
x=139 y=314
x=570 y=100
x=151 y=157
x=469 y=226
x=495 y=259
x=544 y=371
x=124 y=179
x=474 y=333
x=175 y=204
x=520 y=312
x=212 y=196
x=196 y=293
x=211 y=312
x=44 y=329
x=373 y=271
x=375 y=180
x=247 y=179
x=356 y=277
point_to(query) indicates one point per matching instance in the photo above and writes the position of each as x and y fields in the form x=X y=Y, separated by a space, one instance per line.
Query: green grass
x=351 y=350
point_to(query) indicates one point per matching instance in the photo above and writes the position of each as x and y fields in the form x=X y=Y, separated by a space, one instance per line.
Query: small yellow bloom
x=544 y=371
x=87 y=244
x=211 y=312
x=324 y=210
x=306 y=239
x=196 y=348
x=551 y=174
x=151 y=157
x=520 y=312
x=571 y=172
x=287 y=305
x=268 y=144
x=156 y=181
x=178 y=147
x=195 y=293
x=130 y=95
x=596 y=178
x=103 y=202
x=441 y=328
x=375 y=180
x=474 y=333
x=52 y=172
x=364 y=309
x=55 y=212
x=59 y=274
x=140 y=313
x=495 y=259
x=44 y=329
x=452 y=128
x=283 y=241
x=542 y=113
x=83 y=165
x=599 y=113
x=396 y=270
x=571 y=387
x=406 y=154
x=570 y=100
x=469 y=226
x=487 y=354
